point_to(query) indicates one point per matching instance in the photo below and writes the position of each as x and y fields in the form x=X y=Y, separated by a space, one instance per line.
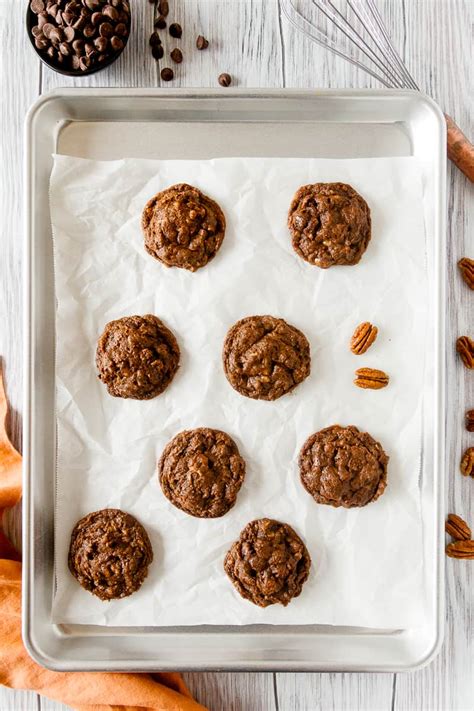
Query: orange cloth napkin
x=82 y=691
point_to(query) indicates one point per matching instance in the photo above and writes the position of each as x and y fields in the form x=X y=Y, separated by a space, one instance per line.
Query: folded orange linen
x=82 y=691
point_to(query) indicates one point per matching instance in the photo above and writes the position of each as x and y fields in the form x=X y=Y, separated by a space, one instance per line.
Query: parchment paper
x=367 y=563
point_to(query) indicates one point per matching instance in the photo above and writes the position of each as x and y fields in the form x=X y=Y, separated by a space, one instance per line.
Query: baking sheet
x=367 y=563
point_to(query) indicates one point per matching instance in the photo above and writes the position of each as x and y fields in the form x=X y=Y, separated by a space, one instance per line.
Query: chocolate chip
x=225 y=79
x=65 y=49
x=176 y=30
x=47 y=29
x=69 y=34
x=97 y=18
x=177 y=55
x=37 y=6
x=41 y=43
x=105 y=30
x=55 y=35
x=163 y=7
x=121 y=29
x=160 y=22
x=202 y=43
x=116 y=43
x=157 y=51
x=111 y=12
x=100 y=43
x=78 y=46
x=89 y=31
x=84 y=63
x=154 y=39
x=167 y=74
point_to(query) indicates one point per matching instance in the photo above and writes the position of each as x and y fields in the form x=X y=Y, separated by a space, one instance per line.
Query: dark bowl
x=31 y=22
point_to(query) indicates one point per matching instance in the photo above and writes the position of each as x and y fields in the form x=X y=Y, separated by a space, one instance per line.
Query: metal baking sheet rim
x=344 y=649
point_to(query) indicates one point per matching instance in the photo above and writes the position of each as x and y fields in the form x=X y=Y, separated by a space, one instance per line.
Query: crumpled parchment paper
x=367 y=563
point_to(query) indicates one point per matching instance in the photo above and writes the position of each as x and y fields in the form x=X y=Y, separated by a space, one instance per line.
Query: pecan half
x=371 y=379
x=363 y=337
x=466 y=267
x=465 y=348
x=470 y=420
x=467 y=462
x=461 y=549
x=457 y=528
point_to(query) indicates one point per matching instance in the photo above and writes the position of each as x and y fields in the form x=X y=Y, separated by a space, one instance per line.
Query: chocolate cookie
x=201 y=472
x=269 y=563
x=342 y=466
x=264 y=357
x=329 y=224
x=109 y=553
x=183 y=227
x=137 y=357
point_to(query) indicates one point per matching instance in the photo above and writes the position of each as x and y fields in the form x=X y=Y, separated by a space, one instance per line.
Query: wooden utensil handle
x=460 y=149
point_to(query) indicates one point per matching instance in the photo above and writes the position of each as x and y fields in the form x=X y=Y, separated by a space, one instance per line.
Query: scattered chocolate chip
x=167 y=74
x=160 y=22
x=163 y=7
x=225 y=79
x=157 y=51
x=176 y=30
x=177 y=55
x=154 y=39
x=470 y=420
x=202 y=43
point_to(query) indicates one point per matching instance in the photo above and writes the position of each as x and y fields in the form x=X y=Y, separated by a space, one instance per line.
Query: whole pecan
x=470 y=420
x=371 y=379
x=467 y=462
x=457 y=528
x=465 y=348
x=363 y=337
x=466 y=267
x=461 y=549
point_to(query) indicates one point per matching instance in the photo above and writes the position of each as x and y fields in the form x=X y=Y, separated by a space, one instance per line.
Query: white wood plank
x=334 y=692
x=444 y=68
x=19 y=77
x=19 y=700
x=233 y=692
x=19 y=83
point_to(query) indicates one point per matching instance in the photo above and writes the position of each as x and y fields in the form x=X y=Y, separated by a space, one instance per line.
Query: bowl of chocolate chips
x=78 y=37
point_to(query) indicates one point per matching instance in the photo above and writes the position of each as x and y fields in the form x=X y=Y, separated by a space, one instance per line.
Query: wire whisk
x=354 y=30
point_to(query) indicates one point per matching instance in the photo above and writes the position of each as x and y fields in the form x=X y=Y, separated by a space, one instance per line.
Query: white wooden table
x=250 y=41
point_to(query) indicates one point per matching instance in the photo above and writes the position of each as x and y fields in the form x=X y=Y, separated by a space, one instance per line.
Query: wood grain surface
x=249 y=40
